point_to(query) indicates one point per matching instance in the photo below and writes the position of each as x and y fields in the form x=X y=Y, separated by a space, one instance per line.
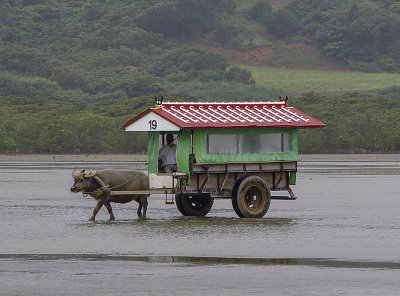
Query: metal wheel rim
x=195 y=202
x=254 y=198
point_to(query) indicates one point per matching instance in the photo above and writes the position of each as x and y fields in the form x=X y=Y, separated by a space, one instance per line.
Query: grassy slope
x=298 y=67
x=328 y=82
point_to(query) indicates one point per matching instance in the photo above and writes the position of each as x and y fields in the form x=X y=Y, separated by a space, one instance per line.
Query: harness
x=104 y=189
x=100 y=191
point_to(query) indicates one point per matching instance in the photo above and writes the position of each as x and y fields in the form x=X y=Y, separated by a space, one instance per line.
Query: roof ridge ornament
x=284 y=100
x=159 y=101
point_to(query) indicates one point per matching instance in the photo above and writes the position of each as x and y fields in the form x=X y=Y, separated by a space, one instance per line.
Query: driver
x=167 y=155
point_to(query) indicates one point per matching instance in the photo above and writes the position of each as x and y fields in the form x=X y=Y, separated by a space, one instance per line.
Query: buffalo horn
x=74 y=174
x=91 y=174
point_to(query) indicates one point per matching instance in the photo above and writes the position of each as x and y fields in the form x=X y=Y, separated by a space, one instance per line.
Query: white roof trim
x=152 y=122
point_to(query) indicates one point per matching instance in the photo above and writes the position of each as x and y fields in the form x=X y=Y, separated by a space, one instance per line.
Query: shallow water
x=341 y=236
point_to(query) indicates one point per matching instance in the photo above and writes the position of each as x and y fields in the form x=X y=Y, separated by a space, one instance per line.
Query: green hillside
x=72 y=71
x=362 y=34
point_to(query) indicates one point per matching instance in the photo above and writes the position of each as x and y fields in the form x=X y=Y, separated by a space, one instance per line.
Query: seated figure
x=167 y=155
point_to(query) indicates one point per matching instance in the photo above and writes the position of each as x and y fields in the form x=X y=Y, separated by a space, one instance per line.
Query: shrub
x=363 y=67
x=240 y=75
x=391 y=92
x=389 y=64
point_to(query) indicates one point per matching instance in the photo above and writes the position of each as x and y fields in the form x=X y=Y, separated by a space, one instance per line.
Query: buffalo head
x=82 y=181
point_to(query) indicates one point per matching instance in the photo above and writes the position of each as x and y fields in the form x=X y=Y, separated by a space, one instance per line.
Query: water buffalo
x=99 y=185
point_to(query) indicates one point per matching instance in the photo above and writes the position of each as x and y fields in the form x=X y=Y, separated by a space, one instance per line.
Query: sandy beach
x=143 y=157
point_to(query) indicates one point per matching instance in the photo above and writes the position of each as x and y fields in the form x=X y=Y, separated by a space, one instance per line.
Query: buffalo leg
x=109 y=209
x=142 y=201
x=144 y=204
x=96 y=210
x=139 y=210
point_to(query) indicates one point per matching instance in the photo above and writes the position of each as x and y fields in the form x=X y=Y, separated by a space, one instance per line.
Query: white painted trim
x=167 y=104
x=152 y=122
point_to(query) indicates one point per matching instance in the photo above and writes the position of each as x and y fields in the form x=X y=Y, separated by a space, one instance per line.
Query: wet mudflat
x=341 y=236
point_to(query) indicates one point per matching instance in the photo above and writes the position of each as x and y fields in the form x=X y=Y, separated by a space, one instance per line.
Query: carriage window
x=248 y=143
x=222 y=144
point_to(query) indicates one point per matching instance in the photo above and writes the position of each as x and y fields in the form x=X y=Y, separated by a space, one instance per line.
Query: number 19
x=153 y=124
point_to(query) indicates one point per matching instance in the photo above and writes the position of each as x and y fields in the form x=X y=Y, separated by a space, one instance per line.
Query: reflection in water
x=191 y=226
x=323 y=262
x=194 y=228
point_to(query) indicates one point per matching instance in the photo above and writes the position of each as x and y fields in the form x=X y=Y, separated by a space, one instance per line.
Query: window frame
x=201 y=145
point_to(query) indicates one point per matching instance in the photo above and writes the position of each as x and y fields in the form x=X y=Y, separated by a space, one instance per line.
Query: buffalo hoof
x=91 y=219
x=111 y=219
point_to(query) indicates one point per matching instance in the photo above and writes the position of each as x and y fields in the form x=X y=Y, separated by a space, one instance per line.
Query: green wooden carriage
x=236 y=150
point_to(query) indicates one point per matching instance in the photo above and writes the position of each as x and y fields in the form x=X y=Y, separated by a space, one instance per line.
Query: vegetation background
x=72 y=71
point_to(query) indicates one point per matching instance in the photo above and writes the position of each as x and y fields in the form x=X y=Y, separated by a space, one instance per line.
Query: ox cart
x=237 y=150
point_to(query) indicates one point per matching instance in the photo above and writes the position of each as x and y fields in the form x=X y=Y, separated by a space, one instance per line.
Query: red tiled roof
x=231 y=115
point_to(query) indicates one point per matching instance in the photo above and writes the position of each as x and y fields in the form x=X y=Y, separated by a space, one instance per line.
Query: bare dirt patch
x=257 y=56
x=299 y=55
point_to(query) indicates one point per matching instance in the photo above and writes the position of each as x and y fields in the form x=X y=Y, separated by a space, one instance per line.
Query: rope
x=125 y=182
x=105 y=188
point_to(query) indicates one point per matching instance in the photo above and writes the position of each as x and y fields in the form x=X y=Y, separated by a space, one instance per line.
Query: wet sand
x=143 y=157
x=340 y=237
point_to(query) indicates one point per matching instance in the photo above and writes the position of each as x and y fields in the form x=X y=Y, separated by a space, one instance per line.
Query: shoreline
x=73 y=157
x=143 y=157
x=350 y=157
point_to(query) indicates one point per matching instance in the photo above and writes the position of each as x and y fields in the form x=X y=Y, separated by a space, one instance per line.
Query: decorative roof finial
x=159 y=101
x=284 y=100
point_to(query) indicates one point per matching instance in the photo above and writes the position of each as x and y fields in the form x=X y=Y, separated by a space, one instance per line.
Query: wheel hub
x=254 y=198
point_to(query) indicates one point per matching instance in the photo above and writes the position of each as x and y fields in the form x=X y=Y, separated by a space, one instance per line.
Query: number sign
x=153 y=124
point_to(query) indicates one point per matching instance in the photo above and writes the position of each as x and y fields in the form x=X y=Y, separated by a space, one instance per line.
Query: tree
x=184 y=19
x=372 y=26
x=240 y=75
x=261 y=11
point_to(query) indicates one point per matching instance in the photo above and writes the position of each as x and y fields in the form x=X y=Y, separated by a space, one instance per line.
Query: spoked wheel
x=251 y=197
x=194 y=204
